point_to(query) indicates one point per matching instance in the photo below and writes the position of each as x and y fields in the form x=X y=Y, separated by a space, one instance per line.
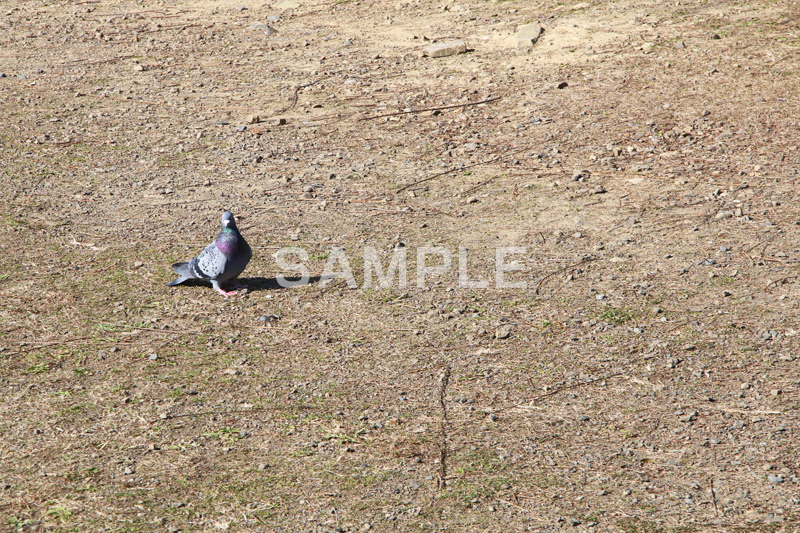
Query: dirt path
x=638 y=165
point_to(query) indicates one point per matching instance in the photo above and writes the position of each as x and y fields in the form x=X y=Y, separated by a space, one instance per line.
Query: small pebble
x=502 y=332
x=153 y=357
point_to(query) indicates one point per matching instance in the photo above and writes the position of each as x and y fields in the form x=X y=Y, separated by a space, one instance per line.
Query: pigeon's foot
x=227 y=293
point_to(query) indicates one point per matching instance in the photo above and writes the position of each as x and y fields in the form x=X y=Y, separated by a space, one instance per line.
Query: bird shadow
x=270 y=284
x=255 y=284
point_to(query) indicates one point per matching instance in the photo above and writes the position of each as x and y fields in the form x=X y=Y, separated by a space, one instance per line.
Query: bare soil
x=642 y=157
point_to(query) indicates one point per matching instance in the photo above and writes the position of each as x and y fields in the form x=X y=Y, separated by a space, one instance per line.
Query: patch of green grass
x=617 y=316
x=226 y=434
x=722 y=281
x=38 y=368
x=60 y=513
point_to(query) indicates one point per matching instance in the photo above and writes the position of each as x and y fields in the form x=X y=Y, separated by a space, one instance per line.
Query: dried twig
x=293 y=101
x=714 y=497
x=174 y=332
x=446 y=172
x=221 y=413
x=481 y=184
x=444 y=378
x=779 y=281
x=411 y=111
x=96 y=62
x=562 y=389
x=541 y=281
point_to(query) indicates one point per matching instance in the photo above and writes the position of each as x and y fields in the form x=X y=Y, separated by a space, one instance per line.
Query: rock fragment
x=449 y=48
x=527 y=35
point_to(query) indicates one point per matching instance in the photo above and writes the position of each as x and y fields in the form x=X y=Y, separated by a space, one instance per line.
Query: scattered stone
x=723 y=214
x=472 y=200
x=259 y=26
x=600 y=297
x=252 y=119
x=287 y=4
x=528 y=35
x=689 y=347
x=775 y=478
x=153 y=357
x=263 y=466
x=449 y=48
x=562 y=85
x=680 y=44
x=503 y=332
x=690 y=417
x=775 y=392
x=726 y=293
x=581 y=175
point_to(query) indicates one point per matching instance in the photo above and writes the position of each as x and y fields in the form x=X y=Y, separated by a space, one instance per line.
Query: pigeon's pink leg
x=215 y=284
x=227 y=293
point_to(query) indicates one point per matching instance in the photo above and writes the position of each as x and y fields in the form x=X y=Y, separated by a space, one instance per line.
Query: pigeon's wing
x=210 y=264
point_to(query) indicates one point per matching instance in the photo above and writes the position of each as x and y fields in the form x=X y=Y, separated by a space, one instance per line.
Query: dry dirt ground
x=646 y=379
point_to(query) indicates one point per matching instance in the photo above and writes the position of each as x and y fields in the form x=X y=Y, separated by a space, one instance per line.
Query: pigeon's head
x=228 y=221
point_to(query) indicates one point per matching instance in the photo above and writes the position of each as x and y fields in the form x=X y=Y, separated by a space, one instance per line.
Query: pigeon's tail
x=183 y=270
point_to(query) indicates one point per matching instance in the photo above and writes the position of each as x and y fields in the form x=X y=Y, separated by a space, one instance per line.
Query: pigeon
x=222 y=260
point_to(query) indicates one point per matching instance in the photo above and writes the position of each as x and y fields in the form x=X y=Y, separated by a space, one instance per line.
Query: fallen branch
x=481 y=184
x=293 y=101
x=562 y=389
x=150 y=329
x=444 y=378
x=412 y=111
x=541 y=281
x=446 y=172
x=97 y=62
x=777 y=281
